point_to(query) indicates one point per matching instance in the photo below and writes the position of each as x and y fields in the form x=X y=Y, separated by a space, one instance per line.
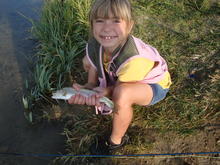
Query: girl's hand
x=77 y=99
x=94 y=99
x=77 y=86
x=80 y=99
x=101 y=92
x=104 y=92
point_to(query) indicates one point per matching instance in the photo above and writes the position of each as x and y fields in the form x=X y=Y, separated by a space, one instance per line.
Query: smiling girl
x=125 y=69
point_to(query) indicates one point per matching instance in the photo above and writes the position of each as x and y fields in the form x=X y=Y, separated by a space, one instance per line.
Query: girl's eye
x=117 y=21
x=98 y=20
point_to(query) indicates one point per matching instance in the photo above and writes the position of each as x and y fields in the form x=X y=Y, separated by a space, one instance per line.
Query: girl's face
x=111 y=32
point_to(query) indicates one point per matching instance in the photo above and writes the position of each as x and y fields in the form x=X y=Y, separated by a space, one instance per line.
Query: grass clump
x=186 y=33
x=61 y=32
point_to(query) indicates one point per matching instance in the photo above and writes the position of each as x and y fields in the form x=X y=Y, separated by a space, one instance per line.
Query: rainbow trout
x=68 y=92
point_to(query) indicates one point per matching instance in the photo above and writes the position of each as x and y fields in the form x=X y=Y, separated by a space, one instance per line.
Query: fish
x=67 y=92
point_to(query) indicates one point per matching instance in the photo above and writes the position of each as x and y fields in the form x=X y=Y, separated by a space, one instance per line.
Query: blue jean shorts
x=158 y=93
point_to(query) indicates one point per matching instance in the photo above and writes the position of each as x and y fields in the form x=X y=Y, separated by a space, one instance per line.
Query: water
x=16 y=134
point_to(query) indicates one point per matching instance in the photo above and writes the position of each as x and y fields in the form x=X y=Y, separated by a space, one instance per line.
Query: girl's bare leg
x=124 y=96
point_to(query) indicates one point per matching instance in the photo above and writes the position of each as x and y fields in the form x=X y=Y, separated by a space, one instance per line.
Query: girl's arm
x=92 y=78
x=92 y=74
x=92 y=83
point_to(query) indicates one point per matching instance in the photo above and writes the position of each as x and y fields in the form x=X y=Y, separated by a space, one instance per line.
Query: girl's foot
x=106 y=146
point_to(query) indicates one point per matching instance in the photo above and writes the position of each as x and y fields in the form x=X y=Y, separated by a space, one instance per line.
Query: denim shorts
x=158 y=93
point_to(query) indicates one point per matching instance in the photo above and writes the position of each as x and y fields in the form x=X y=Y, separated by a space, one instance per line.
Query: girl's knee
x=122 y=96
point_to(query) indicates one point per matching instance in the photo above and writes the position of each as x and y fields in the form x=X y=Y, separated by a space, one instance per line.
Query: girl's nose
x=107 y=26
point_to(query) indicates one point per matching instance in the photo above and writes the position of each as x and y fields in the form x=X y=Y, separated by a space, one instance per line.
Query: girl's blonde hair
x=119 y=8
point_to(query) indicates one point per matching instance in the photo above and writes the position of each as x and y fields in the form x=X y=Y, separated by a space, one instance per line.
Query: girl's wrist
x=109 y=91
x=89 y=86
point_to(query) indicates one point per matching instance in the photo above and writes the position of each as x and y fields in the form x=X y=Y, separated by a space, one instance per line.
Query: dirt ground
x=204 y=139
x=207 y=139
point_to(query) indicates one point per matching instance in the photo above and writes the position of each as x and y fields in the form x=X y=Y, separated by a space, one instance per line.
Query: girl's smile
x=107 y=37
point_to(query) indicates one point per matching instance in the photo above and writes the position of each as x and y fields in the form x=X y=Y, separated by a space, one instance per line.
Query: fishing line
x=171 y=155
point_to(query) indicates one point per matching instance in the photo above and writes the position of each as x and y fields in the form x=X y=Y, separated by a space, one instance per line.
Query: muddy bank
x=17 y=135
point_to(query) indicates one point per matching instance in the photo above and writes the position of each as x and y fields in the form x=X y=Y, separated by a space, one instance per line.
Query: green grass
x=186 y=33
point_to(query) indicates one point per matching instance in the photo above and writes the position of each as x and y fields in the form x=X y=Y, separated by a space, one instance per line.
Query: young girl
x=128 y=70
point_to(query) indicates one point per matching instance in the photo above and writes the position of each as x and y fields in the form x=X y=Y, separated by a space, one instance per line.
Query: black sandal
x=106 y=146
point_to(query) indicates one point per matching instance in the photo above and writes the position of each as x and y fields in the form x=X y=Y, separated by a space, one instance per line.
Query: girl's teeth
x=108 y=38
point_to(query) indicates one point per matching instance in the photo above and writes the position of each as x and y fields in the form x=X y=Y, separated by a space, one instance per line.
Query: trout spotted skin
x=67 y=93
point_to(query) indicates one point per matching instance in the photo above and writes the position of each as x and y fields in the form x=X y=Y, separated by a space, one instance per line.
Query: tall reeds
x=61 y=32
